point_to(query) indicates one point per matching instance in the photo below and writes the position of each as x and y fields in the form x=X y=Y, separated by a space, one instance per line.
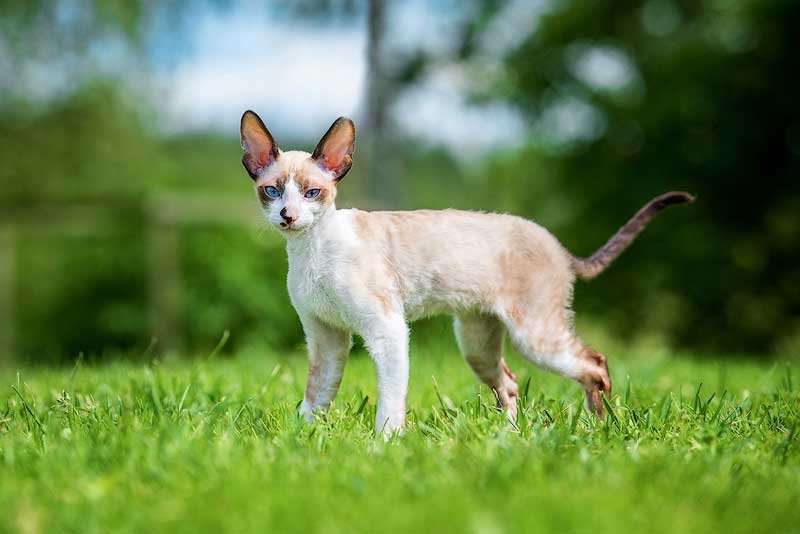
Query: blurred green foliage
x=81 y=223
x=713 y=110
x=710 y=107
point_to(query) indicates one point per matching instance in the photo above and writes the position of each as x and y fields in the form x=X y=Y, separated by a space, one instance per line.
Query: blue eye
x=312 y=193
x=272 y=192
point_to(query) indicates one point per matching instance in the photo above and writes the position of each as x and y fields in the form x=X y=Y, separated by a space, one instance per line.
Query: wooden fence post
x=164 y=283
x=8 y=260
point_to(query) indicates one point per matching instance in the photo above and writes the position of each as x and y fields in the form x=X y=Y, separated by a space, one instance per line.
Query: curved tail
x=588 y=268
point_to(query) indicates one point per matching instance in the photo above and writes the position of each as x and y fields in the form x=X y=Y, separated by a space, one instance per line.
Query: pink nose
x=287 y=218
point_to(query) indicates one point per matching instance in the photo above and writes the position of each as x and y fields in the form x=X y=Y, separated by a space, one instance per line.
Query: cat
x=370 y=273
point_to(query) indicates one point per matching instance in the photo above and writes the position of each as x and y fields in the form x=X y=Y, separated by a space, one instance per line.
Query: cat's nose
x=288 y=218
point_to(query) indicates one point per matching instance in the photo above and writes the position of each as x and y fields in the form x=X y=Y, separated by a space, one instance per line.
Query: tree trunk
x=379 y=99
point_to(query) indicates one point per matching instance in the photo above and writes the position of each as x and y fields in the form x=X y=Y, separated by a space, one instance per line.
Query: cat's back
x=442 y=236
x=447 y=226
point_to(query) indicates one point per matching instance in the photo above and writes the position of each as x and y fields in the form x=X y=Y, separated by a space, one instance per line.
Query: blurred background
x=128 y=225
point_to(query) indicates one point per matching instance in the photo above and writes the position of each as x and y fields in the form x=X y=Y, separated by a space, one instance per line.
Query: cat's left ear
x=334 y=151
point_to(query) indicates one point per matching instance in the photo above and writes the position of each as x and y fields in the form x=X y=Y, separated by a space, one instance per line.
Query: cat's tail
x=588 y=268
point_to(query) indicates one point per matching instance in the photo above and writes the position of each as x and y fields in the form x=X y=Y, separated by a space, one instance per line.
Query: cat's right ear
x=260 y=149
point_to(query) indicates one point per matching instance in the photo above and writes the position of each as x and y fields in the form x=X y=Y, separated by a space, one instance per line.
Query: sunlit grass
x=214 y=444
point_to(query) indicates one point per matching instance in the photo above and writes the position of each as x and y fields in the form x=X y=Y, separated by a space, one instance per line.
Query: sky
x=209 y=63
x=299 y=75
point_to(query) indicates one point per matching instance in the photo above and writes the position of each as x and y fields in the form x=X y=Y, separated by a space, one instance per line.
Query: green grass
x=215 y=445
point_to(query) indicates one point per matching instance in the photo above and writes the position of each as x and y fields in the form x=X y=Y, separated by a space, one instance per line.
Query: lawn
x=213 y=444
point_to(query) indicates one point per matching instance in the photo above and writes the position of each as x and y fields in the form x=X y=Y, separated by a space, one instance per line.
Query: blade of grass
x=28 y=408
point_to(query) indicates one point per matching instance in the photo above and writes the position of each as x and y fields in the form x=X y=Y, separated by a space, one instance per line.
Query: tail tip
x=677 y=197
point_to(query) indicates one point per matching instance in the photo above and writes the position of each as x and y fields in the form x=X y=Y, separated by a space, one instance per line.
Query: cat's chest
x=309 y=280
x=315 y=289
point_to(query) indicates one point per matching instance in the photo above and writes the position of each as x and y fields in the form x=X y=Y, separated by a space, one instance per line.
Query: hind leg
x=548 y=341
x=480 y=338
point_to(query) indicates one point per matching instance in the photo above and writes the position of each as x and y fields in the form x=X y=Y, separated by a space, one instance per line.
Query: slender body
x=370 y=273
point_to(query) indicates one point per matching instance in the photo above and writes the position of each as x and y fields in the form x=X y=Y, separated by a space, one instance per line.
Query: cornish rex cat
x=373 y=272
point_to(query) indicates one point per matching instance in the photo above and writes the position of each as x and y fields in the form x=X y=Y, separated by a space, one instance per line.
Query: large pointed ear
x=260 y=150
x=334 y=151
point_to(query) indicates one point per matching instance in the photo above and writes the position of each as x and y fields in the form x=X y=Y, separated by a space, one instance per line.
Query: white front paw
x=388 y=426
x=307 y=411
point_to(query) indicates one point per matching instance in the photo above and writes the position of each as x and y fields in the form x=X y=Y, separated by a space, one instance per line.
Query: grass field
x=214 y=445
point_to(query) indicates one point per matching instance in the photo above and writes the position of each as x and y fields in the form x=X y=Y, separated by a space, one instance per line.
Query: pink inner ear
x=332 y=161
x=263 y=158
x=334 y=153
x=258 y=148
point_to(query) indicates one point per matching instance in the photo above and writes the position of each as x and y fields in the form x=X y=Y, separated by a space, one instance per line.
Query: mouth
x=289 y=228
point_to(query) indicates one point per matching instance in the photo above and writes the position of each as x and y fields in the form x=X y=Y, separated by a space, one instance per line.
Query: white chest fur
x=320 y=265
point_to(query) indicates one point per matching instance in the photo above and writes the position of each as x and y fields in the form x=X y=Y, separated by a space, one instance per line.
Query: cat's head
x=296 y=188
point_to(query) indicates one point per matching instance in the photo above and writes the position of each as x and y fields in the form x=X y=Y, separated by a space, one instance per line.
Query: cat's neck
x=307 y=241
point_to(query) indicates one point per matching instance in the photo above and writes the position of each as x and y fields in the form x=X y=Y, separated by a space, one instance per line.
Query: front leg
x=327 y=354
x=387 y=341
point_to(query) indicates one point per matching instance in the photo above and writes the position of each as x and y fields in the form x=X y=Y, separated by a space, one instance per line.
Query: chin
x=294 y=230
